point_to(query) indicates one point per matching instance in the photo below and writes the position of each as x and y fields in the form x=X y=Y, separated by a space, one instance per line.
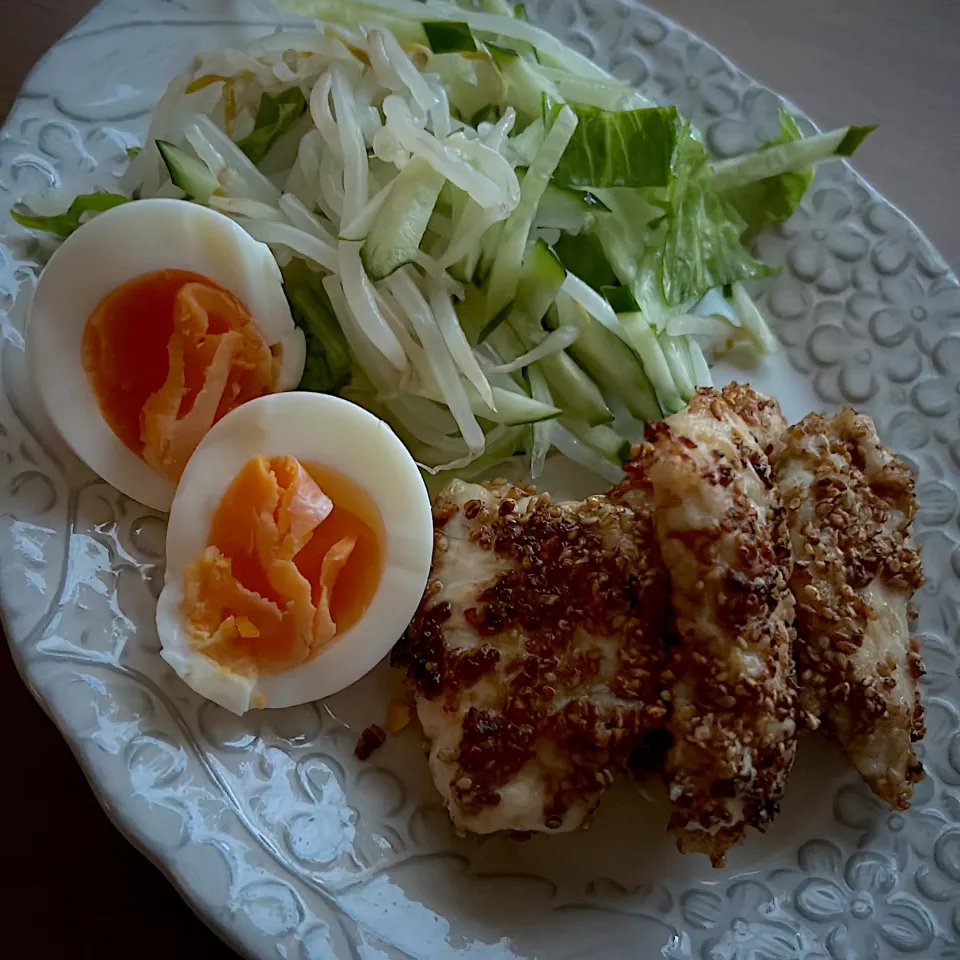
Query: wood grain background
x=72 y=886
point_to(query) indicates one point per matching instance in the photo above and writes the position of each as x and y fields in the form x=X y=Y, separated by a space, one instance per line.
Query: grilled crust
x=723 y=536
x=759 y=412
x=850 y=503
x=523 y=662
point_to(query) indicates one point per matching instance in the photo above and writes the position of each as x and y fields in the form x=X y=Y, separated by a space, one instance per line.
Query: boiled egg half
x=298 y=548
x=149 y=324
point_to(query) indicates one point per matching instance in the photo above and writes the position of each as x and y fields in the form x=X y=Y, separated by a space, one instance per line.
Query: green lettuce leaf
x=772 y=200
x=701 y=245
x=623 y=148
x=328 y=366
x=275 y=116
x=63 y=224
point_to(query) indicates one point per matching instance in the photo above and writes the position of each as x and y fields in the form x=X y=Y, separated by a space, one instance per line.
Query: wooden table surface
x=72 y=886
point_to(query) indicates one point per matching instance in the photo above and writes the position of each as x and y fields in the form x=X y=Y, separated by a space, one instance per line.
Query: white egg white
x=116 y=246
x=324 y=430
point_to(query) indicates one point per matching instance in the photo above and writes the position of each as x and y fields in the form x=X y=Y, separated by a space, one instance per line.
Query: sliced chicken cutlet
x=536 y=654
x=721 y=528
x=850 y=503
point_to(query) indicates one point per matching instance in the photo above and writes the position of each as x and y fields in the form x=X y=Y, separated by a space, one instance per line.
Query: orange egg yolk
x=168 y=354
x=287 y=568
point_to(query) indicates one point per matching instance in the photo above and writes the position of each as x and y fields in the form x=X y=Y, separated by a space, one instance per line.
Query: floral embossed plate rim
x=270 y=828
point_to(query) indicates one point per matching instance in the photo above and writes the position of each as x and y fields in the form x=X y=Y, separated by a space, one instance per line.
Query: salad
x=487 y=240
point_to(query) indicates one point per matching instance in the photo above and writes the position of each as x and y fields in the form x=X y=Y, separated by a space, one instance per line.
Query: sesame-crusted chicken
x=536 y=654
x=759 y=412
x=722 y=532
x=850 y=504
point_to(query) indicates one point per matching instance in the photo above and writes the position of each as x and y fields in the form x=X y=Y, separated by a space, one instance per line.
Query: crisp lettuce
x=622 y=148
x=275 y=116
x=701 y=246
x=63 y=224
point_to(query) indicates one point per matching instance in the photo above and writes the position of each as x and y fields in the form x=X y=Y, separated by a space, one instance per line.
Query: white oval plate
x=268 y=825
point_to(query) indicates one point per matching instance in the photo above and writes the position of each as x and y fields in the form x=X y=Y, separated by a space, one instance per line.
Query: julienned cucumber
x=787 y=157
x=644 y=342
x=507 y=267
x=449 y=36
x=541 y=278
x=394 y=239
x=605 y=440
x=574 y=390
x=187 y=172
x=567 y=209
x=512 y=408
x=488 y=252
x=678 y=360
x=608 y=360
x=525 y=85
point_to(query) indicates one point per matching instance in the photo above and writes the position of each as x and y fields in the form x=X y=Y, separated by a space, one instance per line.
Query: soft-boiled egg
x=298 y=548
x=149 y=324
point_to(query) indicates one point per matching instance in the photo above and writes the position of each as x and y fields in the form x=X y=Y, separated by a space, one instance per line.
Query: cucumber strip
x=787 y=157
x=561 y=208
x=678 y=360
x=525 y=84
x=574 y=390
x=644 y=341
x=449 y=36
x=494 y=324
x=610 y=362
x=572 y=447
x=505 y=273
x=541 y=277
x=620 y=298
x=540 y=281
x=512 y=408
x=394 y=239
x=605 y=440
x=487 y=251
x=188 y=173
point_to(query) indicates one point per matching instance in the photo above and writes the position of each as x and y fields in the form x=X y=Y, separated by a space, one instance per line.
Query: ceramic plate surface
x=277 y=836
